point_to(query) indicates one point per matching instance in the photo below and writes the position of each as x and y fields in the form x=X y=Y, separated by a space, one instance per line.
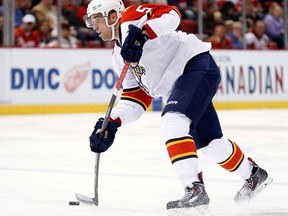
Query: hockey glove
x=100 y=142
x=132 y=47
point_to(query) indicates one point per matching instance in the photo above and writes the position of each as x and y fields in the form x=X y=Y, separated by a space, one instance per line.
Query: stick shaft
x=114 y=96
x=96 y=178
x=104 y=125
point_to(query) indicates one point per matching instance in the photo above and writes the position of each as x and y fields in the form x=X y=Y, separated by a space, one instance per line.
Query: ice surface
x=45 y=160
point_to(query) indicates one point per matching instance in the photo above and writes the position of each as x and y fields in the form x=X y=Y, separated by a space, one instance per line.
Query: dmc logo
x=73 y=78
x=34 y=78
x=50 y=78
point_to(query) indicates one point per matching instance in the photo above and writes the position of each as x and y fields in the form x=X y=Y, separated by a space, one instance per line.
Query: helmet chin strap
x=112 y=26
x=113 y=32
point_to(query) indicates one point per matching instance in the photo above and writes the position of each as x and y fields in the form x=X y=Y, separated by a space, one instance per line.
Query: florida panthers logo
x=138 y=72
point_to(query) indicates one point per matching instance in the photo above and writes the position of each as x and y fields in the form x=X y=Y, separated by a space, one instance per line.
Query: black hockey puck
x=74 y=203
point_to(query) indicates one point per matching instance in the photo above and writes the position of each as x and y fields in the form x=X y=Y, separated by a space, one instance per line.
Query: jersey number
x=143 y=9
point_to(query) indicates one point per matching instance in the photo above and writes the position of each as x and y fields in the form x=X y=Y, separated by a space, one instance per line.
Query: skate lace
x=247 y=187
x=189 y=193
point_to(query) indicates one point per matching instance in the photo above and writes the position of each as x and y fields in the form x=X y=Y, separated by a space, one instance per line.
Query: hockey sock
x=180 y=146
x=234 y=160
x=183 y=155
x=229 y=156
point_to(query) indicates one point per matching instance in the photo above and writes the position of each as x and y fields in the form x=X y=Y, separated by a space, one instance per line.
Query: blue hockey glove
x=132 y=47
x=100 y=142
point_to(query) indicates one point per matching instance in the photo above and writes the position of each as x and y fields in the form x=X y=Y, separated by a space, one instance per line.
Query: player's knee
x=174 y=124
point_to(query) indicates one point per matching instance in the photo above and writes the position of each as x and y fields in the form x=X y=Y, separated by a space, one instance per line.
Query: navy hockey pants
x=192 y=95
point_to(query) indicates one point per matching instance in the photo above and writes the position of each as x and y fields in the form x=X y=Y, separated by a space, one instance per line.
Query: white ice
x=46 y=159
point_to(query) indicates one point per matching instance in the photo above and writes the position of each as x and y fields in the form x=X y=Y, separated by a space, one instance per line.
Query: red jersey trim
x=136 y=12
x=137 y=95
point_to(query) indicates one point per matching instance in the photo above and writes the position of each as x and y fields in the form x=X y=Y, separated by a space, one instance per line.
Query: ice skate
x=195 y=201
x=257 y=182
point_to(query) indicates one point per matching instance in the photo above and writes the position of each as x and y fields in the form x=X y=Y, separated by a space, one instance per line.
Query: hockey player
x=179 y=68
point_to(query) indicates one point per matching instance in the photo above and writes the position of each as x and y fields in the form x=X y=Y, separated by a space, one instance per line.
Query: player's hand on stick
x=100 y=141
x=132 y=47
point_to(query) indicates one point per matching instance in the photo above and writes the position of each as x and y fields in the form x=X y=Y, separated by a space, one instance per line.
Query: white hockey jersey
x=164 y=57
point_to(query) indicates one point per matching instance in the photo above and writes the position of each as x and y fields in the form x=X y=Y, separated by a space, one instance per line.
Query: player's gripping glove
x=100 y=142
x=132 y=47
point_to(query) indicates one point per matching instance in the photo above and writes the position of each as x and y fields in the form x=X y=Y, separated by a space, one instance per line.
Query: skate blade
x=263 y=186
x=202 y=210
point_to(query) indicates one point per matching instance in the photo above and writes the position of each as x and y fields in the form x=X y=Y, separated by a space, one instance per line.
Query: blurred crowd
x=36 y=23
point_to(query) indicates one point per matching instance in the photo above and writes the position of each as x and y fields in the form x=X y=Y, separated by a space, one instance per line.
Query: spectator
x=76 y=29
x=69 y=4
x=127 y=3
x=44 y=31
x=259 y=10
x=185 y=7
x=218 y=39
x=23 y=7
x=67 y=40
x=249 y=25
x=69 y=16
x=25 y=36
x=257 y=39
x=221 y=2
x=275 y=25
x=211 y=18
x=76 y=3
x=81 y=11
x=35 y=2
x=1 y=8
x=252 y=12
x=229 y=12
x=86 y=34
x=267 y=3
x=235 y=35
x=1 y=29
x=48 y=11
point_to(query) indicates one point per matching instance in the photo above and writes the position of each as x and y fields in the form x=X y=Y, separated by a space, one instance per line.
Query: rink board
x=82 y=80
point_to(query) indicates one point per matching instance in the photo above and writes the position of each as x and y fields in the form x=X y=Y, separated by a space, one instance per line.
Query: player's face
x=100 y=26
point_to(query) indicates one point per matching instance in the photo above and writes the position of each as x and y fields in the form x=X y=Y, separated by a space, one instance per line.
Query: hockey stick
x=80 y=197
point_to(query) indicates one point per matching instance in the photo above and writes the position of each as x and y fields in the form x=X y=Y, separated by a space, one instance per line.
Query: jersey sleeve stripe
x=132 y=89
x=150 y=31
x=137 y=95
x=155 y=13
x=135 y=101
x=178 y=12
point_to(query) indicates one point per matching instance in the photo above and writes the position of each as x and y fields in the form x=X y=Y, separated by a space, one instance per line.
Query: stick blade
x=86 y=200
